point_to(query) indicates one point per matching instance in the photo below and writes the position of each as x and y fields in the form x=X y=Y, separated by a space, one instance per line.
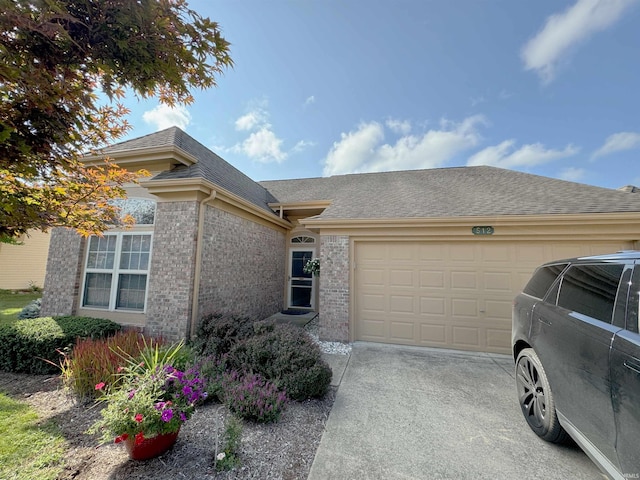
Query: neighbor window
x=117 y=271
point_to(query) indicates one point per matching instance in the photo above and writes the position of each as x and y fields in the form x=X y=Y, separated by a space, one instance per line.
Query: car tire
x=536 y=399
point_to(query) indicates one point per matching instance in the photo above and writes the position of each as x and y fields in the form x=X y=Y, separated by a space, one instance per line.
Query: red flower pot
x=150 y=447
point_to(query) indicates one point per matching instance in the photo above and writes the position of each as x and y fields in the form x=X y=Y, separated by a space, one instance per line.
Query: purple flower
x=132 y=393
x=159 y=406
x=167 y=415
x=183 y=416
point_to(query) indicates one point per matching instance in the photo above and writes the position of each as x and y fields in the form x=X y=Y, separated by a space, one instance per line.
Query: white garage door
x=452 y=295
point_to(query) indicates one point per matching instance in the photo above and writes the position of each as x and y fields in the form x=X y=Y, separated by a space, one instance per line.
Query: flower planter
x=150 y=447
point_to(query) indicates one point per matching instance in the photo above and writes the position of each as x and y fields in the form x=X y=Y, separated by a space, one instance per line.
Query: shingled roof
x=439 y=192
x=209 y=166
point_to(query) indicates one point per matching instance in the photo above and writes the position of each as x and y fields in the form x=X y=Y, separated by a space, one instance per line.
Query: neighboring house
x=23 y=266
x=425 y=257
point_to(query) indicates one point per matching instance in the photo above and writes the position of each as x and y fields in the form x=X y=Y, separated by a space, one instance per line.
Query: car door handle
x=544 y=320
x=632 y=366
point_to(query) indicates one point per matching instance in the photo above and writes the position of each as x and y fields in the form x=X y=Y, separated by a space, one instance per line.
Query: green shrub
x=32 y=310
x=287 y=356
x=218 y=333
x=34 y=345
x=213 y=370
x=252 y=397
x=100 y=360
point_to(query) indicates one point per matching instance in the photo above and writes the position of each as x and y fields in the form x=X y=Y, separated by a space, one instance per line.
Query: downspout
x=196 y=280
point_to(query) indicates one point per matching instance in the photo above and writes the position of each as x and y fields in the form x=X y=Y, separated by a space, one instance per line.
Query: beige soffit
x=300 y=209
x=185 y=189
x=138 y=157
x=601 y=226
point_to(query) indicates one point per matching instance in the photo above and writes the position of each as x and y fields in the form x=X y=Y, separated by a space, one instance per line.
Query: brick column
x=172 y=269
x=62 y=280
x=334 y=288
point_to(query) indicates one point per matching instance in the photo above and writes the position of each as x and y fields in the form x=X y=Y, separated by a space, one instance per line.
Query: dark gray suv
x=576 y=344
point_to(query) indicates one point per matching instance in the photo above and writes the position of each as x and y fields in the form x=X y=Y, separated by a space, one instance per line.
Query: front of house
x=427 y=257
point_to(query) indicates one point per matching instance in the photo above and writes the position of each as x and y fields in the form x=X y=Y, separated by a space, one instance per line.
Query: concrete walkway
x=417 y=413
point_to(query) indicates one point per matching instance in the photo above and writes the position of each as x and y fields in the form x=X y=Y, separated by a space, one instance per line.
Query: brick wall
x=334 y=288
x=62 y=280
x=242 y=267
x=172 y=269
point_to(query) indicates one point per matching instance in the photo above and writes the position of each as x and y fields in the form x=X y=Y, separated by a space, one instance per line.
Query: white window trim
x=115 y=275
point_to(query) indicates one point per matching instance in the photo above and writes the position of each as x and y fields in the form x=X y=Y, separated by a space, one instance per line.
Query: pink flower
x=138 y=418
x=100 y=386
x=139 y=438
x=121 y=438
x=120 y=369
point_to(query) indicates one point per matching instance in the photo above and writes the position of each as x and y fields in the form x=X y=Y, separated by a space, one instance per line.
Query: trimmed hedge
x=26 y=345
x=217 y=334
x=285 y=355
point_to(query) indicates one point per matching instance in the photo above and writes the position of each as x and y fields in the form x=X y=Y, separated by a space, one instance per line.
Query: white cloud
x=302 y=145
x=504 y=156
x=401 y=127
x=618 y=142
x=252 y=119
x=572 y=174
x=310 y=100
x=563 y=31
x=263 y=146
x=362 y=150
x=164 y=116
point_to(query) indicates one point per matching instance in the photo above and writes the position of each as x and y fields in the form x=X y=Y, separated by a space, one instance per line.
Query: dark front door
x=300 y=283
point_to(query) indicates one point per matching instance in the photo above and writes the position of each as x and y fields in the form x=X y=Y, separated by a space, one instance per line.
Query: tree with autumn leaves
x=56 y=57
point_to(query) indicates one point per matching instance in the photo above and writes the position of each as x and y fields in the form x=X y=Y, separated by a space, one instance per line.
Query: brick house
x=426 y=257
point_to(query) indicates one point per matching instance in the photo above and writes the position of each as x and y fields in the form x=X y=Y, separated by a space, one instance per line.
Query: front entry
x=301 y=284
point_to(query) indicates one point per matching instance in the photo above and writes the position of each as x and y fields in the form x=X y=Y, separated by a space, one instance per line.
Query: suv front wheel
x=536 y=399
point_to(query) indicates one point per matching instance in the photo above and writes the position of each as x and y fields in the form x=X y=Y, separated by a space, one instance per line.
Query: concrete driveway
x=417 y=413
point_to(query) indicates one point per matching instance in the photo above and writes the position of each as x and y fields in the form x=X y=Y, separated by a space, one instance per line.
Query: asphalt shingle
x=437 y=193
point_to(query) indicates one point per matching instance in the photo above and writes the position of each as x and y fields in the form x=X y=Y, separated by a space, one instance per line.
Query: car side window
x=542 y=279
x=633 y=305
x=591 y=290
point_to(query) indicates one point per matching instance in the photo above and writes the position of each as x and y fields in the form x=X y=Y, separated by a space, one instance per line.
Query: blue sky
x=324 y=87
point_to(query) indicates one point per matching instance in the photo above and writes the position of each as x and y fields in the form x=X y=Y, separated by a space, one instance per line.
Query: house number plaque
x=482 y=230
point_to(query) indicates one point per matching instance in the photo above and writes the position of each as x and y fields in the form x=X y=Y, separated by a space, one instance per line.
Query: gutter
x=196 y=280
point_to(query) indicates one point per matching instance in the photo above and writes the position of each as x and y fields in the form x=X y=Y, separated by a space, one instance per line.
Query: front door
x=300 y=283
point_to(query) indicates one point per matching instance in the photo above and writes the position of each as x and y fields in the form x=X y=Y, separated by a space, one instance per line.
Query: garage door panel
x=432 y=279
x=401 y=278
x=464 y=307
x=433 y=334
x=403 y=331
x=498 y=338
x=498 y=308
x=374 y=330
x=402 y=304
x=372 y=303
x=498 y=281
x=464 y=280
x=467 y=336
x=373 y=277
x=455 y=295
x=492 y=254
x=430 y=252
x=432 y=305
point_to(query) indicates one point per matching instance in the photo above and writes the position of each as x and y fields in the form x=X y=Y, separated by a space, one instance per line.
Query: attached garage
x=448 y=294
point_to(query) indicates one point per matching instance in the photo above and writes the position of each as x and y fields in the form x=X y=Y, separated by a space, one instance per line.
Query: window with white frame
x=117 y=271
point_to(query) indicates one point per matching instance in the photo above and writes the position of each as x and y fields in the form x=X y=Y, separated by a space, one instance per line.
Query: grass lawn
x=28 y=449
x=11 y=304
